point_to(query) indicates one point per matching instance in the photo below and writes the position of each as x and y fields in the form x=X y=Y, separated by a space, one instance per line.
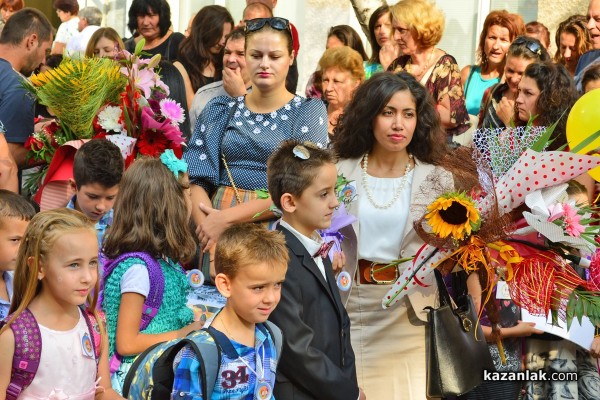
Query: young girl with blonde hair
x=52 y=345
x=145 y=286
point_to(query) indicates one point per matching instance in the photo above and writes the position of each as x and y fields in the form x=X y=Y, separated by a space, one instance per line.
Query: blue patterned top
x=236 y=379
x=247 y=139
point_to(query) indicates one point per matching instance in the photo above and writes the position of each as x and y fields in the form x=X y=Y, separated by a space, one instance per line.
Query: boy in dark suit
x=317 y=360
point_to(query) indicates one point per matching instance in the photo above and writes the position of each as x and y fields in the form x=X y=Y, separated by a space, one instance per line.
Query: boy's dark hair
x=289 y=172
x=592 y=73
x=98 y=161
x=13 y=205
x=249 y=244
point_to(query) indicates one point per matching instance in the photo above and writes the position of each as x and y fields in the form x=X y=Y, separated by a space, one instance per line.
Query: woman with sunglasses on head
x=390 y=142
x=233 y=138
x=418 y=28
x=498 y=103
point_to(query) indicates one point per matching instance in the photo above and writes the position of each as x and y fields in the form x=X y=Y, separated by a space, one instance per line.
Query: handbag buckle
x=383 y=281
x=467 y=324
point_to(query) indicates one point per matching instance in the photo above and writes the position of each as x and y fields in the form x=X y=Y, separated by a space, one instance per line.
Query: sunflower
x=453 y=214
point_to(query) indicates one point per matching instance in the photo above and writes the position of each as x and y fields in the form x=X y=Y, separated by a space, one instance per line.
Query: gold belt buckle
x=383 y=282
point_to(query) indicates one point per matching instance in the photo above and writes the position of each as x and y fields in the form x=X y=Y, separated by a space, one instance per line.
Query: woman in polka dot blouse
x=234 y=137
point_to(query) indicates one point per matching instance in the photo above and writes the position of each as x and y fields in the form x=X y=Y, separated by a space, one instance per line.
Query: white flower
x=256 y=130
x=259 y=118
x=202 y=157
x=273 y=127
x=250 y=122
x=304 y=129
x=199 y=142
x=273 y=114
x=320 y=120
x=237 y=114
x=265 y=123
x=231 y=103
x=241 y=105
x=202 y=128
x=284 y=117
x=288 y=107
x=246 y=113
x=238 y=123
x=109 y=119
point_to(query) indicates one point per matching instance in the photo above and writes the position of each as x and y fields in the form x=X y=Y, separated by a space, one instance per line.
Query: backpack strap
x=153 y=300
x=276 y=335
x=94 y=329
x=28 y=350
x=209 y=358
x=157 y=283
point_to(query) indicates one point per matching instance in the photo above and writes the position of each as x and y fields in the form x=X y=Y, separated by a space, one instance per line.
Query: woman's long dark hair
x=353 y=136
x=375 y=47
x=194 y=51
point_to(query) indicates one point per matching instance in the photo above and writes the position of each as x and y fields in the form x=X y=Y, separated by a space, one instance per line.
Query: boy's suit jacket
x=317 y=361
x=428 y=182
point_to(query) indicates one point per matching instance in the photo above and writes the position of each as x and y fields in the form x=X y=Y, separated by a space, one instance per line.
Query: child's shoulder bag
x=28 y=349
x=151 y=375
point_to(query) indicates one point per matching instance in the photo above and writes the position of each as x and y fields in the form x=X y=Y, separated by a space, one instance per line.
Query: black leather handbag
x=457 y=351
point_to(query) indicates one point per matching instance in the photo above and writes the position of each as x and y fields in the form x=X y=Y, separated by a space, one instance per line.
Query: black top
x=169 y=49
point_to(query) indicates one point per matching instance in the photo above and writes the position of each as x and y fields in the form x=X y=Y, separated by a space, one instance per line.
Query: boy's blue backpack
x=151 y=375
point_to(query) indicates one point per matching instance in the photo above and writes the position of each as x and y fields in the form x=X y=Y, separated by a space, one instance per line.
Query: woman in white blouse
x=389 y=141
x=67 y=11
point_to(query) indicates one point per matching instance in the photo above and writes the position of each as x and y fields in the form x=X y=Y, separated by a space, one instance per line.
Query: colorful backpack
x=154 y=298
x=151 y=375
x=28 y=349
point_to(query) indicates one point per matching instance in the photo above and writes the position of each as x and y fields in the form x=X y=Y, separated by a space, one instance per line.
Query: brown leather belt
x=371 y=273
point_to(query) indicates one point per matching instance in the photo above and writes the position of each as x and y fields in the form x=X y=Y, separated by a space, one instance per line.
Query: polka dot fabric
x=247 y=139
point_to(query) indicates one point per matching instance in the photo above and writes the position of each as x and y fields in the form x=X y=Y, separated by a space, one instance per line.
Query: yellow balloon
x=584 y=120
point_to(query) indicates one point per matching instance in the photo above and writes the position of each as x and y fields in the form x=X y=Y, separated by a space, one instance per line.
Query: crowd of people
x=88 y=289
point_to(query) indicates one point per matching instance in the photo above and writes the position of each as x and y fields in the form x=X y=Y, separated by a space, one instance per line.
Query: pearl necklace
x=399 y=190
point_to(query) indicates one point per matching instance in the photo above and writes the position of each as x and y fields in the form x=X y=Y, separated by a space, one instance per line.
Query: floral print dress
x=444 y=80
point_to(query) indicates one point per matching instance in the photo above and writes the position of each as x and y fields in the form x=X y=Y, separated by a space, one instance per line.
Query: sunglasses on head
x=280 y=24
x=531 y=45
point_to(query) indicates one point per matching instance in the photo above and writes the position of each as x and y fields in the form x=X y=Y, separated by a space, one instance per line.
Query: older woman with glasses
x=418 y=28
x=233 y=138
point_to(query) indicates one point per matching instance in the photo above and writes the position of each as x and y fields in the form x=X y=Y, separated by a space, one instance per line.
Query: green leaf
x=579 y=309
x=262 y=193
x=586 y=142
x=571 y=309
x=544 y=140
x=139 y=47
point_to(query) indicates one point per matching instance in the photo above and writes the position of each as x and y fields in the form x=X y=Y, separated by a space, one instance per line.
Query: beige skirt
x=389 y=345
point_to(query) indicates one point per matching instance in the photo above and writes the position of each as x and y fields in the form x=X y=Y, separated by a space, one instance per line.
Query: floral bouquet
x=73 y=92
x=483 y=231
x=123 y=101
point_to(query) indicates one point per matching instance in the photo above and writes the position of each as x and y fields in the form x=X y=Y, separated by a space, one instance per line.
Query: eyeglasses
x=531 y=45
x=280 y=24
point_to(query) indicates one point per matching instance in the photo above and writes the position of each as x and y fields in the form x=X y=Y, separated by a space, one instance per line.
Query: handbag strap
x=445 y=299
x=235 y=189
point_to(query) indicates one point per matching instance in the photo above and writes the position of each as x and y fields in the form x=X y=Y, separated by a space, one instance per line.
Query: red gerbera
x=152 y=143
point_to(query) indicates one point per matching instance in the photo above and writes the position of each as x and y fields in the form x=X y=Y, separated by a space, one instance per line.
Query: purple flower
x=170 y=109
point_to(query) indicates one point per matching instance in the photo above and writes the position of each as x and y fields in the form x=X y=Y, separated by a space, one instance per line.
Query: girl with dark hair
x=546 y=94
x=384 y=48
x=498 y=102
x=201 y=53
x=151 y=20
x=389 y=141
x=67 y=11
